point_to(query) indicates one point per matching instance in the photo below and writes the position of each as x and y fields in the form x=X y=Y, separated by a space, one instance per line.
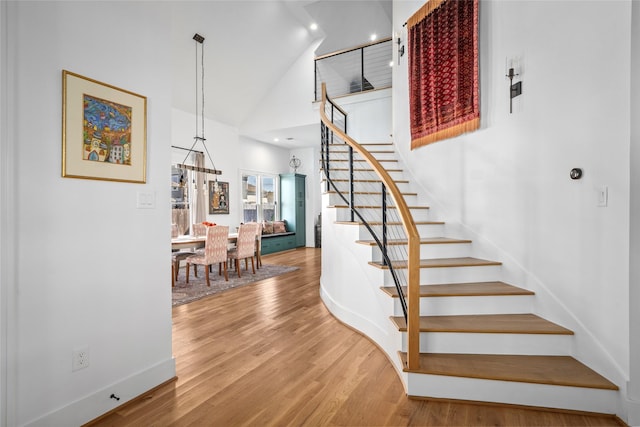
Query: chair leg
x=173 y=275
x=206 y=274
x=226 y=274
x=238 y=267
x=253 y=267
x=188 y=272
x=246 y=265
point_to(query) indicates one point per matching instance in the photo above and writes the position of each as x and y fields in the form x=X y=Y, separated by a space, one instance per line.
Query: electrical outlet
x=80 y=358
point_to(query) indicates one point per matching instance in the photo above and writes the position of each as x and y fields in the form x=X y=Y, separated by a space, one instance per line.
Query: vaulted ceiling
x=250 y=44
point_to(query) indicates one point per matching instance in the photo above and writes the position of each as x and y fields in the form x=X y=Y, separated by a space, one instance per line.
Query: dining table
x=195 y=242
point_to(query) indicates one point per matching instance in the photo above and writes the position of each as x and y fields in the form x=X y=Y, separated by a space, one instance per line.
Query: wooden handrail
x=351 y=49
x=409 y=225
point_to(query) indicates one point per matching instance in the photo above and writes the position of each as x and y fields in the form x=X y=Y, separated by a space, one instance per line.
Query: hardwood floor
x=270 y=354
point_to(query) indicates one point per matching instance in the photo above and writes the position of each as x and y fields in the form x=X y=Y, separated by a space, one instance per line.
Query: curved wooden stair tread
x=397 y=181
x=378 y=223
x=373 y=207
x=486 y=324
x=361 y=170
x=471 y=289
x=363 y=160
x=423 y=241
x=550 y=370
x=370 y=193
x=440 y=263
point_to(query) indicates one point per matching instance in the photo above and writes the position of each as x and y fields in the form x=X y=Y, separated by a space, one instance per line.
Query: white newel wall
x=507 y=185
x=91 y=269
x=634 y=253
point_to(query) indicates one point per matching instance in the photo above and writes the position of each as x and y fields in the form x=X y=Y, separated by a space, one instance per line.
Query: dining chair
x=177 y=256
x=258 y=253
x=245 y=247
x=198 y=229
x=215 y=251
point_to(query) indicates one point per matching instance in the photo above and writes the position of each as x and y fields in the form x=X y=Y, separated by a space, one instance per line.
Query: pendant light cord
x=197 y=137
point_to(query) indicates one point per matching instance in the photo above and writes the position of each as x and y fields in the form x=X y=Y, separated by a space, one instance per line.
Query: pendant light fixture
x=199 y=41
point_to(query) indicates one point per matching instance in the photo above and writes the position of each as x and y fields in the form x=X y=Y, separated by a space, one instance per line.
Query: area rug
x=197 y=288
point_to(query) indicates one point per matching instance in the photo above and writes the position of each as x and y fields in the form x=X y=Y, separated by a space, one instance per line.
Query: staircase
x=479 y=339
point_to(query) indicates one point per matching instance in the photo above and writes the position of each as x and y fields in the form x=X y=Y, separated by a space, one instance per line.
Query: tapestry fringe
x=456 y=130
x=423 y=12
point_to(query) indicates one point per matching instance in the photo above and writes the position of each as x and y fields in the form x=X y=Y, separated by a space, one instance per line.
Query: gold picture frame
x=104 y=131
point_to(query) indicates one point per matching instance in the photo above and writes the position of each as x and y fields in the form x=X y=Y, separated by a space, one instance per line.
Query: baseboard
x=351 y=318
x=633 y=413
x=93 y=406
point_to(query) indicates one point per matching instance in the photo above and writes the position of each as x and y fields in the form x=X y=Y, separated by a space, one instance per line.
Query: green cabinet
x=292 y=205
x=271 y=243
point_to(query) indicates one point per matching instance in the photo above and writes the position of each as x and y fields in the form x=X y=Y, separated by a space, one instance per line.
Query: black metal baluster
x=384 y=224
x=351 y=185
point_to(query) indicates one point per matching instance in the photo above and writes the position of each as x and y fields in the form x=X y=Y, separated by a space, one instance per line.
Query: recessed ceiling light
x=373 y=37
x=276 y=139
x=391 y=64
x=313 y=26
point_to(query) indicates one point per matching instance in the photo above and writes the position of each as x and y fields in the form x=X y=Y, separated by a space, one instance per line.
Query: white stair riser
x=365 y=186
x=367 y=199
x=541 y=395
x=427 y=251
x=468 y=343
x=363 y=169
x=357 y=156
x=433 y=276
x=445 y=250
x=343 y=214
x=451 y=306
x=425 y=230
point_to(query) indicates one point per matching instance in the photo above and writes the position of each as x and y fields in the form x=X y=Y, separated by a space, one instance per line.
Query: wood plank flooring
x=270 y=354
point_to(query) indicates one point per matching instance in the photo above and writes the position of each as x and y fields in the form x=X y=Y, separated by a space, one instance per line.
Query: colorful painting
x=107 y=131
x=218 y=197
x=104 y=131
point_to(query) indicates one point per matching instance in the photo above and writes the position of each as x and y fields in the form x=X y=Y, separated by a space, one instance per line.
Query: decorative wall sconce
x=400 y=49
x=294 y=163
x=515 y=89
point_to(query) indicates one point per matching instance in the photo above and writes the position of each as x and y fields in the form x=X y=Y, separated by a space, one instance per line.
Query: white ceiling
x=254 y=44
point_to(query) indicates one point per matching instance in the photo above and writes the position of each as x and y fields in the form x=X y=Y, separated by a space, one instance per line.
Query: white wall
x=90 y=268
x=290 y=102
x=508 y=184
x=634 y=253
x=5 y=242
x=369 y=115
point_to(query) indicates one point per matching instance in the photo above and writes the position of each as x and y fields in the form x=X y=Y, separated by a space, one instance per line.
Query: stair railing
x=380 y=206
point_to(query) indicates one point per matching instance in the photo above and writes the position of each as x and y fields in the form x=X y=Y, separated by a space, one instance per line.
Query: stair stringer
x=585 y=347
x=349 y=287
x=351 y=272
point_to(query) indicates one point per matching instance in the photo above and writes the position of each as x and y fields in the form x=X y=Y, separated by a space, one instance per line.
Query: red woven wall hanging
x=443 y=70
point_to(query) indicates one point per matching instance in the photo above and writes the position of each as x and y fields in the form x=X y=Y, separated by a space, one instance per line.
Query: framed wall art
x=218 y=197
x=104 y=131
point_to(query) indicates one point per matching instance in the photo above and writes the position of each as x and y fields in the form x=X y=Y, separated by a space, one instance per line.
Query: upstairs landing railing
x=372 y=196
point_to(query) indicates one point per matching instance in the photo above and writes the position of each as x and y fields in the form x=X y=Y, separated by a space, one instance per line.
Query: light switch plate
x=146 y=200
x=603 y=196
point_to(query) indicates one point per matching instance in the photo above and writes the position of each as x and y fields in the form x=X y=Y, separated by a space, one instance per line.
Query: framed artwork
x=104 y=131
x=218 y=197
